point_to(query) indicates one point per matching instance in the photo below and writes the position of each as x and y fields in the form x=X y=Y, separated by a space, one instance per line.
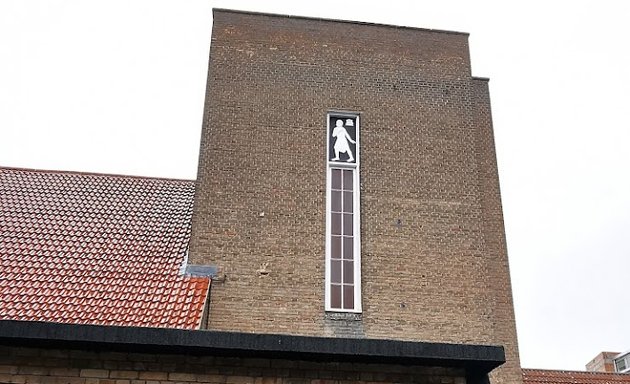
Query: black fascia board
x=479 y=359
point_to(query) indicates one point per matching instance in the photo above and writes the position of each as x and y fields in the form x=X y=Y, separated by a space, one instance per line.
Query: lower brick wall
x=64 y=366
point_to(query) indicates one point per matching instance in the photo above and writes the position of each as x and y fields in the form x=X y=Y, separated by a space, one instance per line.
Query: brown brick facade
x=501 y=314
x=72 y=366
x=434 y=261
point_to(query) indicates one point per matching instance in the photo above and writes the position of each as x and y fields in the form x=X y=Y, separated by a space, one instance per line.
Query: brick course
x=427 y=162
x=170 y=369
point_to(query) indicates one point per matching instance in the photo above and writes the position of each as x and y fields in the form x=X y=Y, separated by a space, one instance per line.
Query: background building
x=610 y=362
x=603 y=362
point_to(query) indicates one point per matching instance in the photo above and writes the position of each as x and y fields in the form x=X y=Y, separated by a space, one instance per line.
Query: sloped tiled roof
x=96 y=249
x=543 y=376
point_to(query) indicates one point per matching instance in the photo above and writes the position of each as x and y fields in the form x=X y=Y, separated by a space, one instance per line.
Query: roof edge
x=339 y=21
x=38 y=170
x=572 y=371
x=474 y=358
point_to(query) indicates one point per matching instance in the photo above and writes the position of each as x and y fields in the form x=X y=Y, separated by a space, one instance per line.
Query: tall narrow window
x=343 y=259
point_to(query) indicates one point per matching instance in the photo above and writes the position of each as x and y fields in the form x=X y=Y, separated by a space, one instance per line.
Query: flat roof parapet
x=338 y=21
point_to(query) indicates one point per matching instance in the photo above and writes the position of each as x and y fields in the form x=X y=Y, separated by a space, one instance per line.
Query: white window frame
x=625 y=357
x=356 y=227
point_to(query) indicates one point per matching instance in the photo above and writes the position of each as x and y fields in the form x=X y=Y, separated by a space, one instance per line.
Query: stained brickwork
x=434 y=263
x=53 y=366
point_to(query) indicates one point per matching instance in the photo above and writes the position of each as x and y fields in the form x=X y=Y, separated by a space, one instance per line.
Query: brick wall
x=63 y=366
x=603 y=362
x=433 y=247
x=500 y=315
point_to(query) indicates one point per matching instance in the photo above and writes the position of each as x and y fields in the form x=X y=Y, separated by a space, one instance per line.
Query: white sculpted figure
x=341 y=143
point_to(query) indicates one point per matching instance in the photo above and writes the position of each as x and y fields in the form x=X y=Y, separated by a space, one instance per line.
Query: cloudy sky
x=118 y=87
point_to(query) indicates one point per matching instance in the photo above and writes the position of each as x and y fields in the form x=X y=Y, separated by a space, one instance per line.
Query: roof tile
x=543 y=376
x=97 y=249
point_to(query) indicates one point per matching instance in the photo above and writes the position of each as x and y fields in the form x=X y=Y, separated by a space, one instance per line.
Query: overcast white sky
x=118 y=87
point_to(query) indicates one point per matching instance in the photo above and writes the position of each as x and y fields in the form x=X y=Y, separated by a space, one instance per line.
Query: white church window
x=343 y=259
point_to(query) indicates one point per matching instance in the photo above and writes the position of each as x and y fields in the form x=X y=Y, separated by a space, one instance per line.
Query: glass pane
x=336 y=178
x=348 y=297
x=347 y=224
x=335 y=271
x=336 y=223
x=348 y=247
x=347 y=180
x=335 y=296
x=347 y=201
x=335 y=247
x=335 y=203
x=348 y=272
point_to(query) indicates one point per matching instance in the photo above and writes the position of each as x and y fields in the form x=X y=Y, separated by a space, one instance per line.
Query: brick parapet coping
x=340 y=21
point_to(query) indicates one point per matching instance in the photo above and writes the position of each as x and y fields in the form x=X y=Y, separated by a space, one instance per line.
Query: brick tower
x=348 y=185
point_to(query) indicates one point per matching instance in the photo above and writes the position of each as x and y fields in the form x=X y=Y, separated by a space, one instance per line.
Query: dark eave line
x=478 y=358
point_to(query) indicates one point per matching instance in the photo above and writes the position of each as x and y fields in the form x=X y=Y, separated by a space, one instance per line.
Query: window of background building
x=622 y=363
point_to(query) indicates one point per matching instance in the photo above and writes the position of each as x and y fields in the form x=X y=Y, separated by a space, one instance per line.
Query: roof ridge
x=84 y=173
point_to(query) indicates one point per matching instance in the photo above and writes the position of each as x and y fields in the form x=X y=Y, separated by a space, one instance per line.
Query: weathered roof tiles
x=543 y=376
x=97 y=249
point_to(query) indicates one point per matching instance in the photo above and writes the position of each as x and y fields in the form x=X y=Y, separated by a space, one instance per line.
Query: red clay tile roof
x=96 y=249
x=543 y=376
